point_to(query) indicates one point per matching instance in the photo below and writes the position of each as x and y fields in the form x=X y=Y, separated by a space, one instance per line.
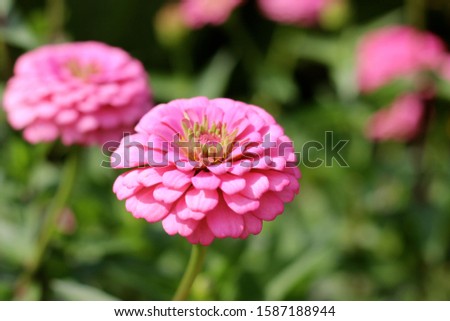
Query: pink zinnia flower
x=387 y=54
x=298 y=12
x=207 y=169
x=445 y=68
x=400 y=122
x=198 y=13
x=83 y=93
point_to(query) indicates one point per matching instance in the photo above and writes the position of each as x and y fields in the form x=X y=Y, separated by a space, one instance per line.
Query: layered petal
x=201 y=200
x=78 y=93
x=201 y=190
x=223 y=222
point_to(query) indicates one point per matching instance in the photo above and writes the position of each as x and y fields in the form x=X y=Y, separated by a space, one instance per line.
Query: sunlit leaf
x=214 y=79
x=74 y=291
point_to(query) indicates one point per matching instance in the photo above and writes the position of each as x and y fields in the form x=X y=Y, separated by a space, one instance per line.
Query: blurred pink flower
x=83 y=93
x=301 y=12
x=400 y=122
x=198 y=13
x=398 y=51
x=445 y=68
x=207 y=169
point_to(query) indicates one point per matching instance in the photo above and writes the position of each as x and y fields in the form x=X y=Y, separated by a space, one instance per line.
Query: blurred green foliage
x=376 y=230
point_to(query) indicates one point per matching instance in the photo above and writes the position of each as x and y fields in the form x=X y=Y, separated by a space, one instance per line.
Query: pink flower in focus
x=301 y=12
x=198 y=13
x=207 y=169
x=400 y=122
x=83 y=93
x=387 y=54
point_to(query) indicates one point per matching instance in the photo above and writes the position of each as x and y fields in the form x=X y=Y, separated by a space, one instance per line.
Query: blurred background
x=375 y=230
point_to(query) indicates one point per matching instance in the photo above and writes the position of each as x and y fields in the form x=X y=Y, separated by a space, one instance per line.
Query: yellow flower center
x=82 y=71
x=206 y=143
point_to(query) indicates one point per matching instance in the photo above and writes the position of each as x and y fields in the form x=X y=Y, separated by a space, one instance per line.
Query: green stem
x=5 y=61
x=415 y=12
x=194 y=266
x=49 y=225
x=244 y=44
x=56 y=17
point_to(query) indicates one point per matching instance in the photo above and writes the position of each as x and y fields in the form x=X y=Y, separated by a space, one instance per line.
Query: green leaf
x=5 y=7
x=15 y=246
x=168 y=87
x=214 y=79
x=73 y=291
x=309 y=264
x=20 y=36
x=442 y=88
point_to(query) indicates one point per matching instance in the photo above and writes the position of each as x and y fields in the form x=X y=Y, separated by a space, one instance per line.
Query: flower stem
x=415 y=11
x=194 y=266
x=49 y=225
x=56 y=17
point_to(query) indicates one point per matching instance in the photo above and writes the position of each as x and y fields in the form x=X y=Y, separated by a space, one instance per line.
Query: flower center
x=82 y=71
x=206 y=143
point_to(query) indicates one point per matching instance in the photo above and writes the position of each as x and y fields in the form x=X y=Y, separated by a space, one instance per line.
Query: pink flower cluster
x=207 y=169
x=83 y=93
x=198 y=13
x=297 y=12
x=400 y=122
x=393 y=53
x=445 y=68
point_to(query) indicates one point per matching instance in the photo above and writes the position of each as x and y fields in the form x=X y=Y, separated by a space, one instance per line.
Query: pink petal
x=277 y=180
x=87 y=123
x=223 y=222
x=184 y=165
x=164 y=131
x=131 y=204
x=289 y=192
x=205 y=180
x=176 y=178
x=232 y=184
x=67 y=116
x=40 y=131
x=241 y=167
x=46 y=110
x=256 y=185
x=149 y=208
x=174 y=122
x=270 y=207
x=185 y=213
x=252 y=225
x=264 y=162
x=214 y=115
x=294 y=171
x=174 y=225
x=121 y=190
x=168 y=195
x=150 y=176
x=130 y=178
x=202 y=235
x=400 y=122
x=21 y=117
x=240 y=204
x=279 y=162
x=286 y=196
x=201 y=200
x=219 y=169
x=132 y=152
